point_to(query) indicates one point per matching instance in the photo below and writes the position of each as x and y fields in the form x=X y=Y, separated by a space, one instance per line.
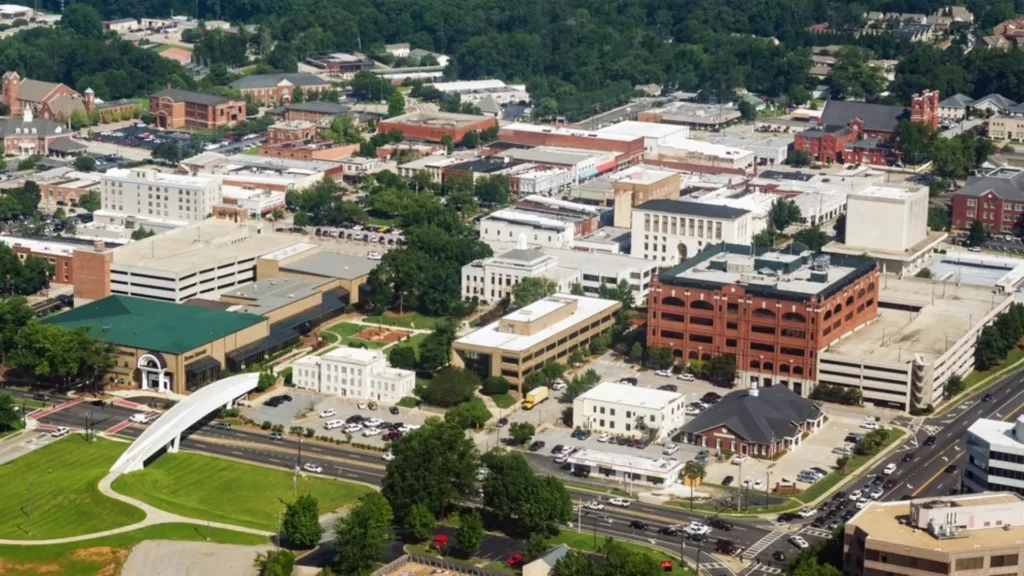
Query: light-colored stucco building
x=670 y=231
x=147 y=192
x=353 y=373
x=624 y=410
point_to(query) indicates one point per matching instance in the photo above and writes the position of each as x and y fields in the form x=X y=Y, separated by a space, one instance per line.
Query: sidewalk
x=153 y=516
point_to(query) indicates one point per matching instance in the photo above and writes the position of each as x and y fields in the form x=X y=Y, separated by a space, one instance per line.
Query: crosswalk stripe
x=759 y=546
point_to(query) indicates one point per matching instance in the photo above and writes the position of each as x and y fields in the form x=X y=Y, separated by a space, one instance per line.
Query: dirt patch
x=110 y=559
x=385 y=335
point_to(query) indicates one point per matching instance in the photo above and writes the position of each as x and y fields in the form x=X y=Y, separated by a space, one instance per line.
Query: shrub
x=267 y=425
x=495 y=385
x=310 y=432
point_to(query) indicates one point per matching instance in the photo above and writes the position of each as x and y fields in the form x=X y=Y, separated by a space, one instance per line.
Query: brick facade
x=434 y=132
x=998 y=215
x=180 y=109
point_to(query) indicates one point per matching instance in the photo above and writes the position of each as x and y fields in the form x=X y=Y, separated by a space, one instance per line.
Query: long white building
x=146 y=192
x=624 y=410
x=995 y=456
x=353 y=373
x=474 y=91
x=670 y=231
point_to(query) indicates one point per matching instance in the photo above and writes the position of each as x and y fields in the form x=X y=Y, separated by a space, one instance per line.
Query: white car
x=692 y=410
x=352 y=428
x=889 y=468
x=862 y=503
x=62 y=431
x=604 y=437
x=389 y=456
x=561 y=459
x=374 y=256
x=140 y=418
x=841 y=451
x=332 y=424
x=361 y=405
x=670 y=449
x=807 y=512
x=685 y=377
x=697 y=528
x=605 y=519
x=559 y=386
x=594 y=505
x=310 y=467
x=869 y=425
x=371 y=432
x=798 y=542
x=876 y=493
x=567 y=449
x=746 y=482
x=855 y=495
x=373 y=423
x=664 y=373
x=739 y=459
x=328 y=413
x=758 y=484
x=621 y=502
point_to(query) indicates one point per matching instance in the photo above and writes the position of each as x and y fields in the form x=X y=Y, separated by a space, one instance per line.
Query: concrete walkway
x=154 y=516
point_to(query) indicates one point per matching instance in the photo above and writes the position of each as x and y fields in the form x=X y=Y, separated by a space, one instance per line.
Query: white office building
x=654 y=134
x=631 y=411
x=491 y=279
x=508 y=224
x=473 y=91
x=995 y=456
x=146 y=192
x=353 y=373
x=670 y=231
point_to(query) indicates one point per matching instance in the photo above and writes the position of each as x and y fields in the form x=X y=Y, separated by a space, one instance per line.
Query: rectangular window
x=1004 y=559
x=701 y=321
x=669 y=316
x=701 y=338
x=731 y=326
x=761 y=347
x=730 y=342
x=791 y=351
x=976 y=563
x=672 y=334
x=732 y=307
x=761 y=329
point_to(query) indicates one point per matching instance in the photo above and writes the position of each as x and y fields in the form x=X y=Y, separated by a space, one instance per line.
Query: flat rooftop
x=881 y=520
x=593 y=261
x=609 y=235
x=332 y=265
x=48 y=247
x=615 y=393
x=265 y=296
x=935 y=316
x=997 y=433
x=890 y=192
x=489 y=336
x=547 y=129
x=436 y=119
x=638 y=464
x=555 y=155
x=157 y=177
x=198 y=246
x=644 y=129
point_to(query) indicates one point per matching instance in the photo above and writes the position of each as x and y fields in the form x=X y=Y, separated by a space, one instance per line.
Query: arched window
x=705 y=356
x=837 y=309
x=849 y=301
x=794 y=317
x=828 y=314
x=798 y=370
x=871 y=286
x=861 y=293
x=784 y=368
x=755 y=364
x=673 y=301
x=692 y=355
x=764 y=313
x=701 y=305
x=768 y=366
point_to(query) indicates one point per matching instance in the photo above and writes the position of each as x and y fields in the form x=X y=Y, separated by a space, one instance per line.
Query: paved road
x=20 y=394
x=369 y=468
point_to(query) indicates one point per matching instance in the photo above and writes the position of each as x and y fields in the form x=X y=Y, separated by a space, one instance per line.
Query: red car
x=515 y=560
x=908 y=456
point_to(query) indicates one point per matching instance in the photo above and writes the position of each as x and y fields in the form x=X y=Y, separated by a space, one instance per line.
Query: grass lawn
x=585 y=541
x=415 y=340
x=343 y=335
x=381 y=221
x=835 y=477
x=410 y=320
x=251 y=152
x=95 y=557
x=221 y=490
x=504 y=401
x=408 y=402
x=65 y=499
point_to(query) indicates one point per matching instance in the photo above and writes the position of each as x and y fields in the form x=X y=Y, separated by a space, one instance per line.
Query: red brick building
x=433 y=126
x=291 y=131
x=860 y=133
x=173 y=108
x=48 y=100
x=279 y=89
x=773 y=311
x=995 y=199
x=73 y=262
x=630 y=149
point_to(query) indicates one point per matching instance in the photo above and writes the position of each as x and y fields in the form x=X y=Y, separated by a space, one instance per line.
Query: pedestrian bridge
x=166 y=431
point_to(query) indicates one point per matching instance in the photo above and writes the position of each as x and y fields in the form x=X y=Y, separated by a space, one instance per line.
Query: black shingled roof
x=876 y=117
x=773 y=412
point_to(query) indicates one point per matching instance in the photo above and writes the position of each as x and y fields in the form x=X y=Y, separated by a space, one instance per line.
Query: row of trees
x=1000 y=337
x=22 y=277
x=839 y=394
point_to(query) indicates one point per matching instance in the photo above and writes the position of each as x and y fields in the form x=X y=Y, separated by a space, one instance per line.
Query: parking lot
x=309 y=406
x=383 y=236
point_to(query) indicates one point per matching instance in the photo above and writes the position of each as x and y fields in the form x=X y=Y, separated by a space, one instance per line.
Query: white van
x=889 y=469
x=332 y=424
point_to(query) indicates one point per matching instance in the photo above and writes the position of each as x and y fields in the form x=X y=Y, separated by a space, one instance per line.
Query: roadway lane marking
x=762 y=544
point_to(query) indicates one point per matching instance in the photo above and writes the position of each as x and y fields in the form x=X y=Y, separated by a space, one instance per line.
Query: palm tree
x=693 y=471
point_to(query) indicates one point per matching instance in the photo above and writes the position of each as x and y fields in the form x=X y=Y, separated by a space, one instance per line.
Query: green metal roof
x=152 y=324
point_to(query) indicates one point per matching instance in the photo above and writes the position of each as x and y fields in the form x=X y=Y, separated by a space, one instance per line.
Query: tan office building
x=976 y=535
x=525 y=340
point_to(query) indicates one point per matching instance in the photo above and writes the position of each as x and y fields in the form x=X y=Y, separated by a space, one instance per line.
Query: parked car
x=515 y=560
x=739 y=459
x=686 y=377
x=394 y=410
x=798 y=541
x=620 y=502
x=275 y=436
x=604 y=437
x=328 y=413
x=727 y=481
x=664 y=373
x=536 y=446
x=502 y=422
x=670 y=449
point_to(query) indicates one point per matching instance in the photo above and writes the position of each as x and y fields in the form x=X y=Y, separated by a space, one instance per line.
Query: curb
x=980 y=386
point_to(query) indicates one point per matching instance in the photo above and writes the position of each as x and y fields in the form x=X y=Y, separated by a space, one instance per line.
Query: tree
x=343 y=129
x=577 y=289
x=83 y=19
x=524 y=501
x=580 y=384
x=798 y=158
x=141 y=233
x=470 y=140
x=420 y=522
x=492 y=190
x=977 y=235
x=470 y=533
x=301 y=522
x=366 y=86
x=403 y=356
x=450 y=386
x=435 y=349
x=747 y=111
x=577 y=357
x=938 y=218
x=765 y=238
x=659 y=357
x=954 y=386
x=448 y=143
x=623 y=561
x=472 y=414
x=721 y=369
x=521 y=432
x=9 y=419
x=298 y=95
x=694 y=470
x=915 y=141
x=275 y=562
x=531 y=289
x=85 y=163
x=814 y=238
x=854 y=76
x=636 y=352
x=363 y=535
x=495 y=385
x=575 y=563
x=923 y=273
x=782 y=213
x=396 y=104
x=434 y=465
x=301 y=219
